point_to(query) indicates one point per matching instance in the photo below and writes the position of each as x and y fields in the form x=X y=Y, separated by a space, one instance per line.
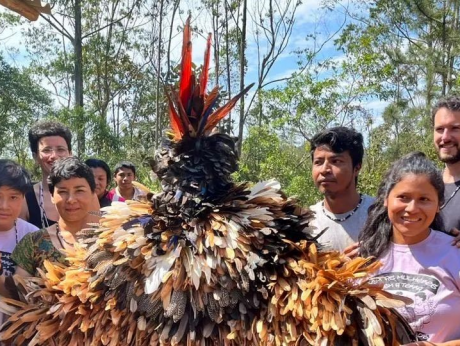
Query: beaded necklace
x=60 y=237
x=41 y=204
x=346 y=217
x=16 y=232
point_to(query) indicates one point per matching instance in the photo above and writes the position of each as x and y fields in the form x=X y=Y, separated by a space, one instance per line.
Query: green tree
x=22 y=101
x=266 y=155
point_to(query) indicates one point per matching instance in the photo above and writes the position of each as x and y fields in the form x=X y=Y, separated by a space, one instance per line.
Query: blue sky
x=310 y=18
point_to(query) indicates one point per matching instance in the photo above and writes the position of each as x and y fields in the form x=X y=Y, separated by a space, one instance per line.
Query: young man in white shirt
x=337 y=155
x=124 y=175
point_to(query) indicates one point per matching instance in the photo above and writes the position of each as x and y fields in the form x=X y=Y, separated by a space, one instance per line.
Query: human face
x=51 y=149
x=333 y=173
x=412 y=205
x=100 y=176
x=447 y=135
x=124 y=178
x=10 y=207
x=73 y=199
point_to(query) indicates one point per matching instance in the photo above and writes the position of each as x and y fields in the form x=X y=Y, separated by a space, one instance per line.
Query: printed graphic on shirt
x=420 y=288
x=8 y=264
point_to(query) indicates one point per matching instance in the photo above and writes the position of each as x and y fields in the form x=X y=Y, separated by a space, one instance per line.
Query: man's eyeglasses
x=59 y=151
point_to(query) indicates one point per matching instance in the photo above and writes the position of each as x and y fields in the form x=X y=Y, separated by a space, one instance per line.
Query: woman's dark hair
x=340 y=139
x=377 y=232
x=124 y=164
x=96 y=163
x=68 y=168
x=47 y=129
x=14 y=176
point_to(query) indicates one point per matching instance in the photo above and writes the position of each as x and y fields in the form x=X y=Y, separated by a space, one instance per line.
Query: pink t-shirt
x=114 y=196
x=429 y=274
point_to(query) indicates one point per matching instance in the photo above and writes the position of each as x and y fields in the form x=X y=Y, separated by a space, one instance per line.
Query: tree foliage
x=391 y=61
x=22 y=101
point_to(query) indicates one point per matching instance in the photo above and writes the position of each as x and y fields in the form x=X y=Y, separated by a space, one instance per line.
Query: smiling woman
x=72 y=187
x=403 y=231
x=412 y=206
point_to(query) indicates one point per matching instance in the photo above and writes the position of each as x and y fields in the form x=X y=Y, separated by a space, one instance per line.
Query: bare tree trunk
x=445 y=55
x=216 y=46
x=79 y=77
x=454 y=29
x=227 y=61
x=118 y=122
x=215 y=28
x=157 y=91
x=242 y=73
x=168 y=51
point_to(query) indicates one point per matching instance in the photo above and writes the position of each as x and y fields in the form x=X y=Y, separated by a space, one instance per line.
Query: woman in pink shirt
x=404 y=231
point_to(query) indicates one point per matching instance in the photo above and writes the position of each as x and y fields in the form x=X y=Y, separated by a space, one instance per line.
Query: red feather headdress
x=191 y=110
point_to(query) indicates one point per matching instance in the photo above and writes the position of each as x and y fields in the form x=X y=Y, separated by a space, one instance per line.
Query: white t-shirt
x=8 y=241
x=429 y=274
x=339 y=235
x=116 y=197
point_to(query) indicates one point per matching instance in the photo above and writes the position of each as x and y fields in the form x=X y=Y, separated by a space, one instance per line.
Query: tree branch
x=62 y=30
x=109 y=24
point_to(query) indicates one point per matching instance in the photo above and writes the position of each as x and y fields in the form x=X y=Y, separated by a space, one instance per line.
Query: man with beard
x=337 y=155
x=446 y=122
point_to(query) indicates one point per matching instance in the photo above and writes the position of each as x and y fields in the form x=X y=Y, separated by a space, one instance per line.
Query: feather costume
x=204 y=262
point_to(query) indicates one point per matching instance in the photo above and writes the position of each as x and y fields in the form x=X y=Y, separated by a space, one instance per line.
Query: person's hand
x=456 y=233
x=421 y=343
x=353 y=250
x=94 y=214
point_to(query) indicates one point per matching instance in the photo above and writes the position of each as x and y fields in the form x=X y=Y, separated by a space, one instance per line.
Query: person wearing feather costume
x=206 y=261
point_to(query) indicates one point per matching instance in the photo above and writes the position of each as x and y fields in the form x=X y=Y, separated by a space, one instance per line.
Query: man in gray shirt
x=337 y=155
x=446 y=124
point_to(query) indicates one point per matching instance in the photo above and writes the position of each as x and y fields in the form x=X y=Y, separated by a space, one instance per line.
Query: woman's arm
x=94 y=211
x=24 y=255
